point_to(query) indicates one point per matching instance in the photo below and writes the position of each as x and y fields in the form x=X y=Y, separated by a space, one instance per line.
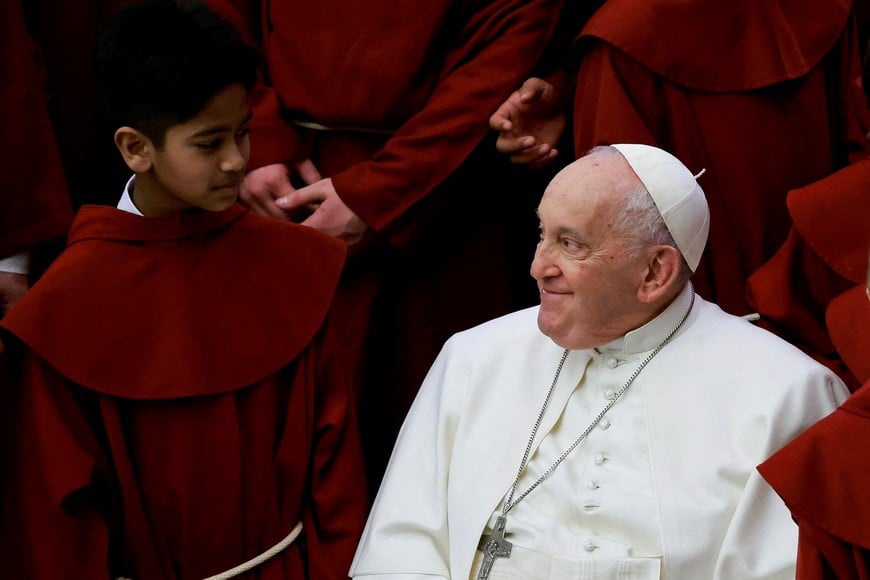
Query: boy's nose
x=234 y=161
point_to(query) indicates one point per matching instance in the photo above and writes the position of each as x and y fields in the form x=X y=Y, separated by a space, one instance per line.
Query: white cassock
x=664 y=487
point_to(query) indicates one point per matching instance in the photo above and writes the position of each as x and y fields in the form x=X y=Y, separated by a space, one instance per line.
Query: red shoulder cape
x=822 y=475
x=198 y=303
x=717 y=45
x=831 y=215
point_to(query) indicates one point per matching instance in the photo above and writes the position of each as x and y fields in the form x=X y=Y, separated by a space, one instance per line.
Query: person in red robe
x=35 y=206
x=759 y=95
x=815 y=292
x=824 y=258
x=823 y=479
x=822 y=475
x=65 y=33
x=371 y=125
x=184 y=407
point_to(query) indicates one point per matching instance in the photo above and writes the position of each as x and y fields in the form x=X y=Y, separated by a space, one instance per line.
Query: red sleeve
x=496 y=50
x=339 y=499
x=34 y=202
x=52 y=526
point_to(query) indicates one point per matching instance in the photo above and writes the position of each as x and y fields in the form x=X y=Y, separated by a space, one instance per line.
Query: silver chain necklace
x=494 y=545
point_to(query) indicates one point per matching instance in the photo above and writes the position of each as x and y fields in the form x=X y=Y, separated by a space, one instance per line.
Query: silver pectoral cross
x=493 y=546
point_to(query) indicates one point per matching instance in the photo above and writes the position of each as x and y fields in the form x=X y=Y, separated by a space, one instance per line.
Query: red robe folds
x=402 y=92
x=800 y=291
x=34 y=203
x=183 y=404
x=815 y=290
x=761 y=94
x=823 y=478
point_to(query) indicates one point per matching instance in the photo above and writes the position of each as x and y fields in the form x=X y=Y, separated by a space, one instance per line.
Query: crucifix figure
x=493 y=546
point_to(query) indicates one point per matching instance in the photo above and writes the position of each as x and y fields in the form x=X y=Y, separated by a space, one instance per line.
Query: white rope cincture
x=254 y=562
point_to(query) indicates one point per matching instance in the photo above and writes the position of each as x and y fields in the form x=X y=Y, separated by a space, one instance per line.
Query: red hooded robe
x=183 y=404
x=760 y=93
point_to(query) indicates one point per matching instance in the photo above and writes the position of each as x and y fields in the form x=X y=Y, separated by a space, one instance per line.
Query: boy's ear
x=135 y=148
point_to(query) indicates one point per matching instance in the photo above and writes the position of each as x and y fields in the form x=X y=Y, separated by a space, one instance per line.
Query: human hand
x=262 y=186
x=12 y=289
x=530 y=123
x=330 y=214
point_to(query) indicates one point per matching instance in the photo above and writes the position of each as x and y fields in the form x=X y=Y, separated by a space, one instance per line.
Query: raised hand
x=530 y=123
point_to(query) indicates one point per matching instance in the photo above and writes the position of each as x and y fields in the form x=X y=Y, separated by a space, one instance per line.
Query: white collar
x=126 y=201
x=648 y=336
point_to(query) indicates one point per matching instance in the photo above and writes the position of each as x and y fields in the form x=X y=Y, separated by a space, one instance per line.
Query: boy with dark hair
x=168 y=426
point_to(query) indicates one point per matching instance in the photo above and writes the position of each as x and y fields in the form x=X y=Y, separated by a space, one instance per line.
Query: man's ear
x=664 y=264
x=135 y=148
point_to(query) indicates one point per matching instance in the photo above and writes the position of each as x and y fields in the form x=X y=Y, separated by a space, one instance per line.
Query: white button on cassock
x=600 y=458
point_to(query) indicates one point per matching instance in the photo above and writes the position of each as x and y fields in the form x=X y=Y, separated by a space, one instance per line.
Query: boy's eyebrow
x=209 y=131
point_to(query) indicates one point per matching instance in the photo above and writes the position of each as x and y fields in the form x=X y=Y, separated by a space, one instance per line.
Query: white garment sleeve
x=761 y=540
x=406 y=536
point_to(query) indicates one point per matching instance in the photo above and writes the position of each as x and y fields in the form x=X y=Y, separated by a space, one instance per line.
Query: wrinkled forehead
x=597 y=179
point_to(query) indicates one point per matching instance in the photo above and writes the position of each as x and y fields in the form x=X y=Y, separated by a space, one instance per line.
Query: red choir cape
x=806 y=290
x=34 y=203
x=823 y=478
x=184 y=403
x=759 y=94
x=822 y=475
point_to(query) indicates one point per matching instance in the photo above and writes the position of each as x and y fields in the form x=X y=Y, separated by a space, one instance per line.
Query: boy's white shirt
x=126 y=201
x=17 y=264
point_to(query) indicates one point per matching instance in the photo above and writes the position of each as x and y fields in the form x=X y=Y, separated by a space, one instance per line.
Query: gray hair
x=640 y=221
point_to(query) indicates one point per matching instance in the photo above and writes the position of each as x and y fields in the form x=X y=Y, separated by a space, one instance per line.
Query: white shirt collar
x=126 y=201
x=648 y=336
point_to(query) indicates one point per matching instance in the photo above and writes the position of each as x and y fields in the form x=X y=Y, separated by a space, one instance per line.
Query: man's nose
x=543 y=265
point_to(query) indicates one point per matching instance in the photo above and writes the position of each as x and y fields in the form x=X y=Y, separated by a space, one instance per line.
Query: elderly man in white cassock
x=613 y=431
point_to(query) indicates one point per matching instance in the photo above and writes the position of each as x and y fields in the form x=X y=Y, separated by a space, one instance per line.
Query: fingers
x=535 y=157
x=533 y=89
x=262 y=186
x=308 y=172
x=307 y=196
x=510 y=144
x=501 y=120
x=262 y=202
x=545 y=159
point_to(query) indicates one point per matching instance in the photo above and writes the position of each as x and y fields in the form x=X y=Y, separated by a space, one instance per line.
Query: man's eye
x=243 y=132
x=209 y=145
